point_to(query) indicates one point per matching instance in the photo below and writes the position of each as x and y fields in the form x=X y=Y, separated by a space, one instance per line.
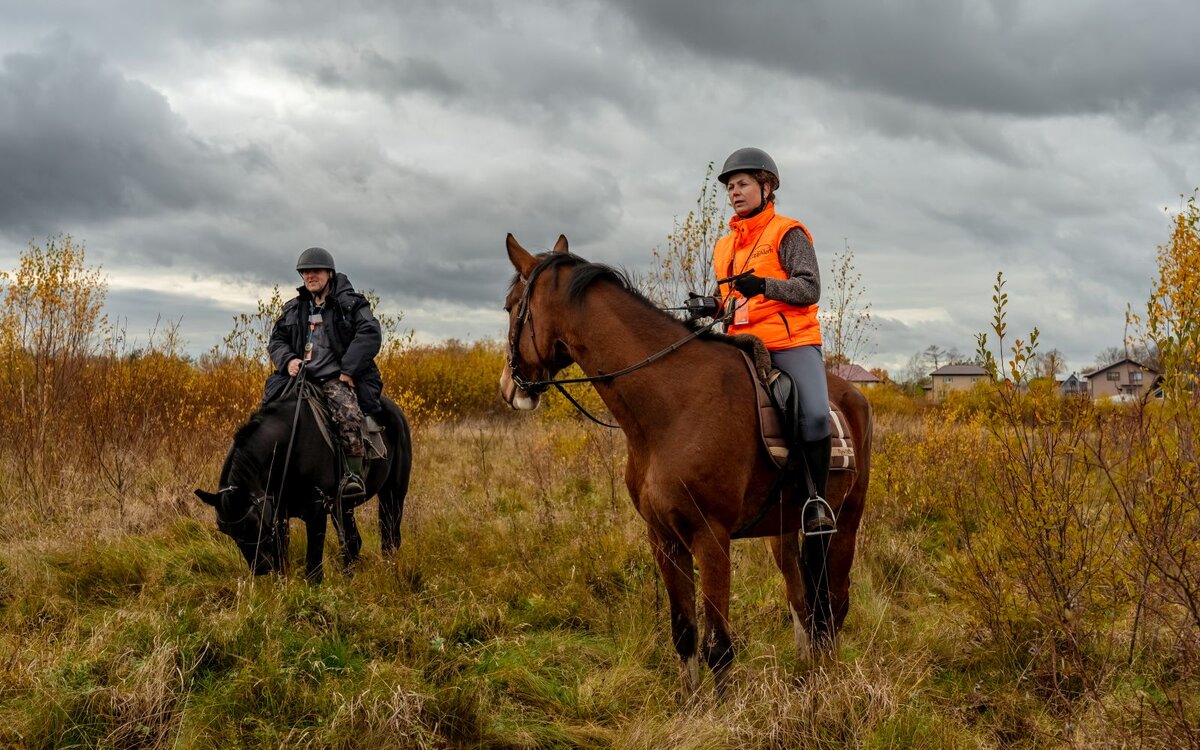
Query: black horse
x=255 y=499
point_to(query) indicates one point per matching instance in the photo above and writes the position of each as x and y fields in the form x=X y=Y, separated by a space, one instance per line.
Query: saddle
x=779 y=412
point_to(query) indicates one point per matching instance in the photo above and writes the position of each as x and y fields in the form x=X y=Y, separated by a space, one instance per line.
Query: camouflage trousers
x=347 y=415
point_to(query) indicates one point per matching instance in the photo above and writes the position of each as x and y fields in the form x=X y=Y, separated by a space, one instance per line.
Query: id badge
x=741 y=311
x=308 y=349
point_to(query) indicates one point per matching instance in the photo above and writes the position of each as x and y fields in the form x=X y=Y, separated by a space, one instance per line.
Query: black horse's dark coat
x=256 y=498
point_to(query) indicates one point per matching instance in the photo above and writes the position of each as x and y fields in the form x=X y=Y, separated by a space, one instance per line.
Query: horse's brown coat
x=696 y=469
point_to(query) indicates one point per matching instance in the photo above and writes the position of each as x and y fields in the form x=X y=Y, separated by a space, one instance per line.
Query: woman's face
x=745 y=194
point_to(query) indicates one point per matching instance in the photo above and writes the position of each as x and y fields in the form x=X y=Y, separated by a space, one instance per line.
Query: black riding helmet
x=748 y=160
x=315 y=258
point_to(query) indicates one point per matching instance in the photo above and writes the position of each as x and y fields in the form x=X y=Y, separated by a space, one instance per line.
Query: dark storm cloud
x=1023 y=58
x=943 y=141
x=82 y=143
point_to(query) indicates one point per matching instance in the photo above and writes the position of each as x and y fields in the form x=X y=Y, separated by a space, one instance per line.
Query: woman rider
x=776 y=300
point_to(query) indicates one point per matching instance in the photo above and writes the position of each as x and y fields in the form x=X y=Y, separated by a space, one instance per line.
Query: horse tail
x=395 y=487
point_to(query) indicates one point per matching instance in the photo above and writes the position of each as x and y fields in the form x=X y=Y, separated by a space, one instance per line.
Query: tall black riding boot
x=818 y=515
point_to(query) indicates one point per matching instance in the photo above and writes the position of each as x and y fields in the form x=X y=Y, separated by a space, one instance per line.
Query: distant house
x=856 y=374
x=1127 y=378
x=1073 y=385
x=955 y=378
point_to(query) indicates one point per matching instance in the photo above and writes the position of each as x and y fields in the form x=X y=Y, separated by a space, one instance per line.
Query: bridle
x=256 y=503
x=537 y=387
x=523 y=316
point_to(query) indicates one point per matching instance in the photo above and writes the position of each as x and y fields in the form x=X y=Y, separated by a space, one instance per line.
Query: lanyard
x=314 y=315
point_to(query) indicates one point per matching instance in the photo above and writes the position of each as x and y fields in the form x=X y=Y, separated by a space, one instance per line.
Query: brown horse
x=696 y=469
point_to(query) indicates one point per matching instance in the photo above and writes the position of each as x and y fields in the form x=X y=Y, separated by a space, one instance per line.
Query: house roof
x=959 y=370
x=854 y=373
x=1127 y=360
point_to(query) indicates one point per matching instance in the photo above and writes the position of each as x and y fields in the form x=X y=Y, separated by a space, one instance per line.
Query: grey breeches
x=807 y=368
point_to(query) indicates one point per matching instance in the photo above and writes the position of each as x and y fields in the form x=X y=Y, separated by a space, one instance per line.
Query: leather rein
x=536 y=387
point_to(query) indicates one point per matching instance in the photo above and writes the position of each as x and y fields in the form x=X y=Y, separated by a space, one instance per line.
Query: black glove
x=751 y=286
x=700 y=307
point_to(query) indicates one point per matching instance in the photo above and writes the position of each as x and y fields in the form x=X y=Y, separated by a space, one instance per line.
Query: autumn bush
x=1026 y=575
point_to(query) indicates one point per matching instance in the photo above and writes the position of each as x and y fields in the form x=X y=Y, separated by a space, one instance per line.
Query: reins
x=539 y=386
x=287 y=457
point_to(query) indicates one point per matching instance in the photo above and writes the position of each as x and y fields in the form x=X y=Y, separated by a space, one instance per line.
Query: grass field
x=523 y=610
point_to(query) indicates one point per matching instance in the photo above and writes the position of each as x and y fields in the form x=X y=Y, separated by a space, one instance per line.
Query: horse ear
x=208 y=497
x=560 y=247
x=520 y=257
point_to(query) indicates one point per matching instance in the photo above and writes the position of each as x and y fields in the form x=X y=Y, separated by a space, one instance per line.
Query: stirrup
x=352 y=487
x=818 y=517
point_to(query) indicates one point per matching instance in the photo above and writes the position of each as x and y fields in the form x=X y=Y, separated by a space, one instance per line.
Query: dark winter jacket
x=353 y=332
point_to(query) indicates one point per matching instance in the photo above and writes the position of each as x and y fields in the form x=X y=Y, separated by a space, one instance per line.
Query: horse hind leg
x=314 y=554
x=395 y=487
x=814 y=554
x=350 y=539
x=786 y=551
x=675 y=566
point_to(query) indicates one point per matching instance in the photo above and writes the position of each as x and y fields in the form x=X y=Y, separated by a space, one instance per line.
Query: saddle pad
x=771 y=429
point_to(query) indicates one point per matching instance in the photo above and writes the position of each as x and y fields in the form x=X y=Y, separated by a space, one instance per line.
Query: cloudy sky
x=196 y=148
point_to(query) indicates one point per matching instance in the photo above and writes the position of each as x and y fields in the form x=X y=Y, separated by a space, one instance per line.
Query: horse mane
x=242 y=462
x=587 y=273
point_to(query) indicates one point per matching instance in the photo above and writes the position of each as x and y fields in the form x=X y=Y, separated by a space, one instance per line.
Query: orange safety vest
x=753 y=245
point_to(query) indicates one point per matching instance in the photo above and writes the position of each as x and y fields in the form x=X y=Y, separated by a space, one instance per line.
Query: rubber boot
x=818 y=515
x=352 y=487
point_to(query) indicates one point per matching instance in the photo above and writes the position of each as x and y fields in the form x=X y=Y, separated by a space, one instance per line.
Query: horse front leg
x=282 y=542
x=675 y=565
x=711 y=548
x=786 y=551
x=314 y=555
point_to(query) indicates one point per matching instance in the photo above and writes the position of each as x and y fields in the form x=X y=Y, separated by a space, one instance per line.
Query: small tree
x=50 y=324
x=846 y=324
x=1170 y=329
x=252 y=331
x=1110 y=356
x=1156 y=477
x=685 y=264
x=1049 y=364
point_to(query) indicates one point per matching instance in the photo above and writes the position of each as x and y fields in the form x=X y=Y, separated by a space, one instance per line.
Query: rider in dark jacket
x=330 y=330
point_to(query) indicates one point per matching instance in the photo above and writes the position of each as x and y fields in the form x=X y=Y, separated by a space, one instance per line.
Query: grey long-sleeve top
x=802 y=287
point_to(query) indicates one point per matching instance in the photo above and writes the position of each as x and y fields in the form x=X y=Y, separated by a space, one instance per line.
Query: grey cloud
x=990 y=57
x=82 y=143
x=371 y=71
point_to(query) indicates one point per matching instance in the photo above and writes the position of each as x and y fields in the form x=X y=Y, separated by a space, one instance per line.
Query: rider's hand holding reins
x=293 y=367
x=750 y=286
